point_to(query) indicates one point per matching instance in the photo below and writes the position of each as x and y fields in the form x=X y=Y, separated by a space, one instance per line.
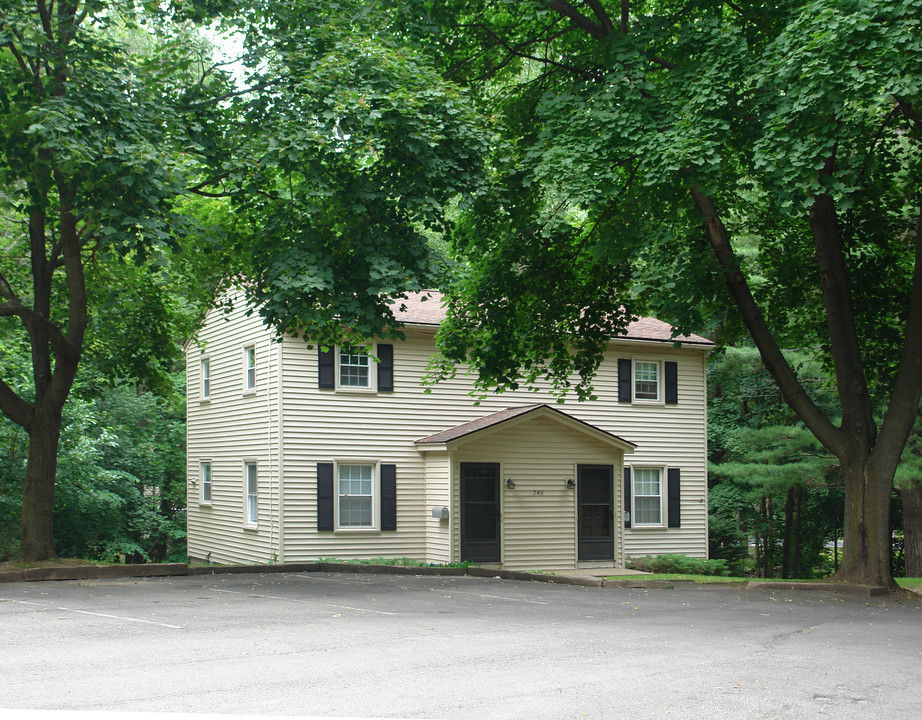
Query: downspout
x=280 y=419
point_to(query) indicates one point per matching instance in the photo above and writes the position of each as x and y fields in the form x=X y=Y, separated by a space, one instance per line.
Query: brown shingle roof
x=426 y=308
x=496 y=418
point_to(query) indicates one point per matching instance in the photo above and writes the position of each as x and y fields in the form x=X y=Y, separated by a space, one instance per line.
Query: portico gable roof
x=504 y=419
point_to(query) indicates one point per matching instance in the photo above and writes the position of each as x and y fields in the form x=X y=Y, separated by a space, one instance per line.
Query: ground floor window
x=648 y=496
x=252 y=497
x=356 y=496
x=206 y=482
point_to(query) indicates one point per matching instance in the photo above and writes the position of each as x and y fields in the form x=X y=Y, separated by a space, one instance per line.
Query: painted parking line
x=305 y=602
x=61 y=608
x=496 y=597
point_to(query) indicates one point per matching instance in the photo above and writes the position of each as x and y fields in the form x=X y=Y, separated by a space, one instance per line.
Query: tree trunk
x=35 y=540
x=798 y=535
x=866 y=554
x=912 y=527
x=786 y=541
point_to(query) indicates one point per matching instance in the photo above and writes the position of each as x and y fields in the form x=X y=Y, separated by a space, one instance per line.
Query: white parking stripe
x=306 y=602
x=496 y=597
x=87 y=612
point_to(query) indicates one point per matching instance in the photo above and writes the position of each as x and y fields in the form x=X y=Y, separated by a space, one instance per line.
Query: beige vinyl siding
x=438 y=494
x=539 y=515
x=233 y=427
x=333 y=425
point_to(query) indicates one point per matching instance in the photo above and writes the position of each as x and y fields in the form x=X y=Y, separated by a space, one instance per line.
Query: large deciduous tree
x=641 y=143
x=94 y=136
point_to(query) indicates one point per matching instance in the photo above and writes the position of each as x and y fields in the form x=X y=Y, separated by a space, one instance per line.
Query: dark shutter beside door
x=674 y=497
x=326 y=368
x=324 y=496
x=388 y=497
x=627 y=497
x=624 y=380
x=672 y=383
x=385 y=368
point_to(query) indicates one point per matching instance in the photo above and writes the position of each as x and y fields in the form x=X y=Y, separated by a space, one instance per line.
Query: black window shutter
x=672 y=383
x=326 y=368
x=385 y=368
x=674 y=498
x=624 y=380
x=627 y=497
x=388 y=497
x=324 y=496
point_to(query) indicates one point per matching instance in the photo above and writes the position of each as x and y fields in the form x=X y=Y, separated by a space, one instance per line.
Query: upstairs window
x=646 y=380
x=354 y=368
x=249 y=368
x=206 y=379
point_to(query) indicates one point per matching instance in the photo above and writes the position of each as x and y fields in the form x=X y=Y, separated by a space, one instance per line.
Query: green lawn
x=903 y=582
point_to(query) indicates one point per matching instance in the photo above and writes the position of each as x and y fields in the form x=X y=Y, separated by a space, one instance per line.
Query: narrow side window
x=206 y=482
x=206 y=378
x=249 y=367
x=252 y=497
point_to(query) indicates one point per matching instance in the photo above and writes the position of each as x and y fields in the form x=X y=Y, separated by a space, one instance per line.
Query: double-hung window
x=206 y=378
x=354 y=368
x=648 y=496
x=249 y=368
x=252 y=497
x=646 y=380
x=206 y=482
x=355 y=492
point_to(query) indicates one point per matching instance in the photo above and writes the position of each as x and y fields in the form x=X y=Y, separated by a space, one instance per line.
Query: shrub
x=678 y=565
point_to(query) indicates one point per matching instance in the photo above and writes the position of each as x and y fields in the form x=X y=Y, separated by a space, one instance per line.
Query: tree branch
x=857 y=412
x=602 y=15
x=907 y=389
x=14 y=407
x=578 y=19
x=911 y=113
x=777 y=365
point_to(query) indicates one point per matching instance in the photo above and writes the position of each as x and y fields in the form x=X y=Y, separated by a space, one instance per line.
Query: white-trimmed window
x=355 y=491
x=206 y=482
x=646 y=380
x=249 y=368
x=354 y=368
x=205 y=369
x=648 y=496
x=252 y=497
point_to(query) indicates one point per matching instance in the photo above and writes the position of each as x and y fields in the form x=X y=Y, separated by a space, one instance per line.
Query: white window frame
x=372 y=375
x=374 y=526
x=205 y=378
x=635 y=479
x=205 y=473
x=250 y=494
x=635 y=366
x=249 y=370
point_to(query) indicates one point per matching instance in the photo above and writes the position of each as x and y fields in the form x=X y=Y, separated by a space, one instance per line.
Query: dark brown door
x=596 y=513
x=480 y=512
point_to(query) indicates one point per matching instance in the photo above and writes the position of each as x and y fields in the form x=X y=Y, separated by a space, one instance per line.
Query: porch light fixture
x=570 y=484
x=510 y=484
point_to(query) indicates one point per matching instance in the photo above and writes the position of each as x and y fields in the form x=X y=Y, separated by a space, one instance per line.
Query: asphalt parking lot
x=385 y=646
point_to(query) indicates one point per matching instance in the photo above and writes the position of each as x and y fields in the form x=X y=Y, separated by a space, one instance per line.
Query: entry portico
x=528 y=487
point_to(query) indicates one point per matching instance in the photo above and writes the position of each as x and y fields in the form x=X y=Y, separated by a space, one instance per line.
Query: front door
x=596 y=513
x=480 y=512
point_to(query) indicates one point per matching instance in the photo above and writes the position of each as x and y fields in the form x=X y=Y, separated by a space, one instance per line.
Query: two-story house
x=295 y=453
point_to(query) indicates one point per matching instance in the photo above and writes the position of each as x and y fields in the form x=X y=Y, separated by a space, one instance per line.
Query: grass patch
x=909 y=582
x=698 y=578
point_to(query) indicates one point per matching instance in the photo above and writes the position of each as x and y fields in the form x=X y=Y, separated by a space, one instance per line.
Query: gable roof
x=427 y=308
x=465 y=430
